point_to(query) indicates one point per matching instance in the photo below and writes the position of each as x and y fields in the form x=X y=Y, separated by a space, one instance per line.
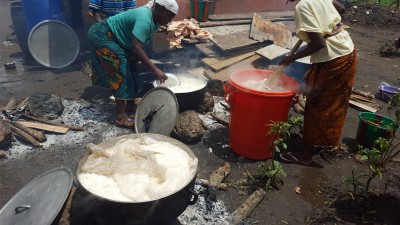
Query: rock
x=188 y=127
x=4 y=154
x=207 y=105
x=5 y=134
x=215 y=87
x=387 y=50
x=46 y=106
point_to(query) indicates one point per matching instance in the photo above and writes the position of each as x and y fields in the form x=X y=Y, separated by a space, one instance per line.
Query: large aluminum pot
x=88 y=208
x=190 y=100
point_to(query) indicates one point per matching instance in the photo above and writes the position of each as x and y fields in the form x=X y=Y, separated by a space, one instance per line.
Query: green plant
x=269 y=174
x=379 y=156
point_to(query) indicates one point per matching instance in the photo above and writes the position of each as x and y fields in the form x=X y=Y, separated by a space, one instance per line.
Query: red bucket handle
x=228 y=91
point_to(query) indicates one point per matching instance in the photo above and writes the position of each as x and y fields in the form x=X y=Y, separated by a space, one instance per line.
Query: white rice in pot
x=188 y=84
x=137 y=170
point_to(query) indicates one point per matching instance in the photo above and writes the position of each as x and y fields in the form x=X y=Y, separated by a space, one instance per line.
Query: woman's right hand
x=160 y=75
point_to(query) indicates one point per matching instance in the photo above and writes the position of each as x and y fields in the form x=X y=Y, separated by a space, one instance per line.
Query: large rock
x=47 y=106
x=5 y=134
x=207 y=105
x=188 y=127
x=215 y=87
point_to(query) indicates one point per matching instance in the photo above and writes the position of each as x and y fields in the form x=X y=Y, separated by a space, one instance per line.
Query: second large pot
x=89 y=208
x=191 y=99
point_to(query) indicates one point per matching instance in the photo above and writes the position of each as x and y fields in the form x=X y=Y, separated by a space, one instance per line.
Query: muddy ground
x=371 y=27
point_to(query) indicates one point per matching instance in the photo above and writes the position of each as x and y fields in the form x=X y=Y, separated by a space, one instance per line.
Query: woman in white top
x=330 y=79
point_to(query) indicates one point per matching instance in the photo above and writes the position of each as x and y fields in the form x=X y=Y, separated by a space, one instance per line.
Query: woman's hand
x=287 y=59
x=160 y=75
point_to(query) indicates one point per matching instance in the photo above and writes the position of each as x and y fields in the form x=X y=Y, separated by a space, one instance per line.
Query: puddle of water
x=313 y=183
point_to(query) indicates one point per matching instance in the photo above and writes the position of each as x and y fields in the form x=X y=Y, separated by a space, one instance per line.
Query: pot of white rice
x=190 y=93
x=135 y=179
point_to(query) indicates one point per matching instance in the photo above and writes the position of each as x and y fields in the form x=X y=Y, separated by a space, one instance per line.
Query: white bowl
x=170 y=82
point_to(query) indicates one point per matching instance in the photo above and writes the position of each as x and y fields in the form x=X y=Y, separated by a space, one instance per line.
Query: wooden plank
x=362 y=106
x=222 y=64
x=272 y=52
x=243 y=16
x=225 y=73
x=46 y=127
x=223 y=23
x=263 y=30
x=211 y=50
x=234 y=41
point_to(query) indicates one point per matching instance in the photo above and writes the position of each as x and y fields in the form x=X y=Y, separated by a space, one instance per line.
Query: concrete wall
x=232 y=6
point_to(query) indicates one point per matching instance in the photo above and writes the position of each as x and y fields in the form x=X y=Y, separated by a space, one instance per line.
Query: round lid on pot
x=157 y=112
x=40 y=201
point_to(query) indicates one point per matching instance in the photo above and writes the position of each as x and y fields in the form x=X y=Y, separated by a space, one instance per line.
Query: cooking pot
x=90 y=208
x=190 y=100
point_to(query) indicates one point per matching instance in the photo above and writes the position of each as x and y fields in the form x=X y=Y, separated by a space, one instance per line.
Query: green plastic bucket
x=371 y=126
x=200 y=9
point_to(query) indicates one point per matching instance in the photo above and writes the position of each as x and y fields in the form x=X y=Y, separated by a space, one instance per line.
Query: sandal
x=129 y=123
x=291 y=158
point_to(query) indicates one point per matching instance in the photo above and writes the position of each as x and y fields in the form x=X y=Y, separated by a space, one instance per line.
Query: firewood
x=220 y=119
x=22 y=134
x=302 y=101
x=75 y=128
x=23 y=103
x=39 y=136
x=247 y=207
x=12 y=102
x=298 y=109
x=216 y=179
x=363 y=93
x=206 y=183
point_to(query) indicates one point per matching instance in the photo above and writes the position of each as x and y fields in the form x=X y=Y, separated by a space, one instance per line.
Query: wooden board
x=217 y=64
x=273 y=52
x=243 y=16
x=46 y=127
x=362 y=106
x=223 y=23
x=225 y=73
x=234 y=41
x=263 y=29
x=211 y=50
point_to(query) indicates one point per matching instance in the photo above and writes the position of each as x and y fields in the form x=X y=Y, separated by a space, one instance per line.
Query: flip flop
x=290 y=158
x=129 y=123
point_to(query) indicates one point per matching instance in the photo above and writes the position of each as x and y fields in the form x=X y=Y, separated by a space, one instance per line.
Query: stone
x=5 y=134
x=207 y=105
x=46 y=106
x=188 y=127
x=215 y=87
x=4 y=154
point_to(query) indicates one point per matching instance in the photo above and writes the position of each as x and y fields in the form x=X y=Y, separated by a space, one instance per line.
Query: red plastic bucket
x=253 y=110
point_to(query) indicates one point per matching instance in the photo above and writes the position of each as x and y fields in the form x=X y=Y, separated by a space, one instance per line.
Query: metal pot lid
x=40 y=201
x=157 y=112
x=53 y=44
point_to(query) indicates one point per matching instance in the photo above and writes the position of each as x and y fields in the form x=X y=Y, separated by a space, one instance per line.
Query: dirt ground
x=371 y=28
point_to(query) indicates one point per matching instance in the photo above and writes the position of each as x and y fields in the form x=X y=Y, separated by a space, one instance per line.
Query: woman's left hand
x=160 y=75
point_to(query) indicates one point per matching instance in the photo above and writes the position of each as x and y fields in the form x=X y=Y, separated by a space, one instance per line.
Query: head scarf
x=170 y=5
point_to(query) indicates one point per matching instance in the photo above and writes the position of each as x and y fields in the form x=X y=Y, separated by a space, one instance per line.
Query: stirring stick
x=272 y=82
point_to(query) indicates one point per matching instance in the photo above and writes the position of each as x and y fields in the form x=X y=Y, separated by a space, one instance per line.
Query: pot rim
x=157 y=137
x=194 y=90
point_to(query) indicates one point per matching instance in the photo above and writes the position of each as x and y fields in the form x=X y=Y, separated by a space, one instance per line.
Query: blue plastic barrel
x=37 y=11
x=20 y=27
